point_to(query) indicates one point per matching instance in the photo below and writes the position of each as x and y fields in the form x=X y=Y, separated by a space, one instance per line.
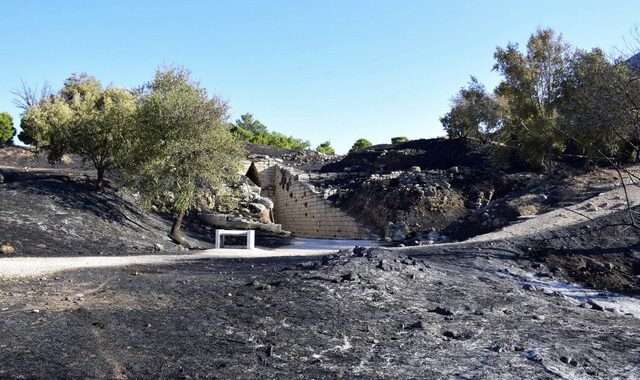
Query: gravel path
x=602 y=205
x=38 y=266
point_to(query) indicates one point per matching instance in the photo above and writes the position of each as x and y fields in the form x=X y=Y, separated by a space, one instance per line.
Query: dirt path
x=602 y=205
x=38 y=266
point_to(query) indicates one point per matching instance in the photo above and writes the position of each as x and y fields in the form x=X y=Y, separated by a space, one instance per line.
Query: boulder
x=430 y=191
x=433 y=236
x=7 y=249
x=268 y=203
x=214 y=218
x=261 y=212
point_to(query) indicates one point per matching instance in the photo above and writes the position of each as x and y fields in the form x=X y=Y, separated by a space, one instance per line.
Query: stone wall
x=267 y=169
x=301 y=209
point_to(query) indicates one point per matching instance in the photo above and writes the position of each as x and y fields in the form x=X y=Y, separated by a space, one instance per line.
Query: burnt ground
x=57 y=213
x=600 y=254
x=427 y=185
x=381 y=315
x=442 y=311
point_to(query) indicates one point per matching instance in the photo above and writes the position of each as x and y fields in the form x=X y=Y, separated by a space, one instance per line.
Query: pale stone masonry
x=299 y=207
x=304 y=211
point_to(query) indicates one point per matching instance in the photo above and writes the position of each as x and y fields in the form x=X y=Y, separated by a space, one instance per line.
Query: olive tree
x=532 y=88
x=594 y=107
x=85 y=119
x=46 y=121
x=182 y=144
x=7 y=131
x=474 y=112
x=100 y=130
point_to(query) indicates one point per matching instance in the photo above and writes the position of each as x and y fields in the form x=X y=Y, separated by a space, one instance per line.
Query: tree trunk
x=587 y=162
x=100 y=179
x=175 y=234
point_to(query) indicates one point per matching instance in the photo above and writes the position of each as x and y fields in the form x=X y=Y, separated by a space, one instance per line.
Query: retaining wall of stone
x=304 y=211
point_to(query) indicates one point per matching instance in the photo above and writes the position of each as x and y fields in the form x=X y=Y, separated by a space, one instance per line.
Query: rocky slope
x=440 y=190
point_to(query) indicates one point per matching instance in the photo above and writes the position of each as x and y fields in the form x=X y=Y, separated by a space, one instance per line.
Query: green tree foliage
x=85 y=119
x=7 y=131
x=595 y=106
x=359 y=145
x=248 y=123
x=79 y=87
x=326 y=148
x=474 y=113
x=279 y=140
x=253 y=131
x=532 y=87
x=182 y=145
x=399 y=140
x=551 y=97
x=100 y=130
x=45 y=121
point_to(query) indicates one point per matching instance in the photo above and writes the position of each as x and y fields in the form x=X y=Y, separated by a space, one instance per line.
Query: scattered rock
x=430 y=191
x=533 y=355
x=568 y=360
x=442 y=311
x=419 y=325
x=360 y=251
x=7 y=249
x=158 y=247
x=385 y=266
x=452 y=334
x=351 y=276
x=497 y=348
x=591 y=207
x=596 y=306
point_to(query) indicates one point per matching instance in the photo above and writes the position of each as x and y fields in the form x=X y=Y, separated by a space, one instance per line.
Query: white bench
x=250 y=234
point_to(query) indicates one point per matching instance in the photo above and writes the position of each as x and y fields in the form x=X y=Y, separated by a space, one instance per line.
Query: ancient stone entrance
x=299 y=207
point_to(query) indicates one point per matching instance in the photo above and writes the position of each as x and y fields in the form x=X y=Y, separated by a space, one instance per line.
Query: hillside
x=503 y=303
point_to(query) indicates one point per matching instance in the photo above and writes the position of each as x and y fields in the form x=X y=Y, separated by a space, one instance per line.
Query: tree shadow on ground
x=77 y=195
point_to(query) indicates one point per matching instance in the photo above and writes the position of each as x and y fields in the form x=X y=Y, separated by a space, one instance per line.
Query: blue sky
x=319 y=70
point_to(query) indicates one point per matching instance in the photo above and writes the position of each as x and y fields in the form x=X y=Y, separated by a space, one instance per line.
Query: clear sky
x=333 y=70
